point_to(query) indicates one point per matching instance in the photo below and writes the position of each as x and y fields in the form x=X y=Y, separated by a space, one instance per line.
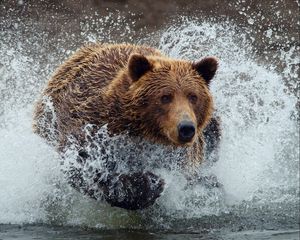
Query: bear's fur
x=132 y=89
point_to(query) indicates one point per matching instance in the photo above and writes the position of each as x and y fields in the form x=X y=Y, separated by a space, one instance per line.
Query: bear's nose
x=186 y=131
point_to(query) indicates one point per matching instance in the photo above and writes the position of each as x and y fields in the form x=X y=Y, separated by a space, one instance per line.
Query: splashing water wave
x=258 y=163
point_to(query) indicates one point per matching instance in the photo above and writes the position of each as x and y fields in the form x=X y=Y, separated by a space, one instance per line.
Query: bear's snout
x=186 y=131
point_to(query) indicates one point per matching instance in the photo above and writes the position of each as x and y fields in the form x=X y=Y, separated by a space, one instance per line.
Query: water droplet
x=250 y=21
x=269 y=33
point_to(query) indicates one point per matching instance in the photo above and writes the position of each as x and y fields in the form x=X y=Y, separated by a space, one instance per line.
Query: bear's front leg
x=133 y=191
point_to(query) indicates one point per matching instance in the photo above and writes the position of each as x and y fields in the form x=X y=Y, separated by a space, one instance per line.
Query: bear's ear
x=138 y=65
x=207 y=68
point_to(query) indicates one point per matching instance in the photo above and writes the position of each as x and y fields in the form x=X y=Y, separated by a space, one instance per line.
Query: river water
x=255 y=95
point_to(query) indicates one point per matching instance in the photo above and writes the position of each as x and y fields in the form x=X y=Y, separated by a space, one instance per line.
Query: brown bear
x=133 y=89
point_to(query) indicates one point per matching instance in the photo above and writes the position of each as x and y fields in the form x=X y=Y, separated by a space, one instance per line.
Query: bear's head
x=167 y=100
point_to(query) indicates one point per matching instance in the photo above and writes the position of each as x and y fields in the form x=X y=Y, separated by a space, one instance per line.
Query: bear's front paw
x=134 y=191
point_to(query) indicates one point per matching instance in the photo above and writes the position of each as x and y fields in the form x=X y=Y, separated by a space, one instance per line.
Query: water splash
x=259 y=154
x=253 y=102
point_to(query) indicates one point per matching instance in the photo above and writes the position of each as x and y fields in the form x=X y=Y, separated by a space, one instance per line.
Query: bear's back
x=75 y=88
x=95 y=65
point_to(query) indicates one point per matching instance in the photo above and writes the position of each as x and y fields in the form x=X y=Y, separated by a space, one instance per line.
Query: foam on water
x=28 y=170
x=259 y=154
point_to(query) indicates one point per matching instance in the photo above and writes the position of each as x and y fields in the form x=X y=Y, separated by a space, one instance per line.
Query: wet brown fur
x=94 y=86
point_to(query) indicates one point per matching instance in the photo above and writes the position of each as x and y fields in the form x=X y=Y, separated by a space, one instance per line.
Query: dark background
x=55 y=16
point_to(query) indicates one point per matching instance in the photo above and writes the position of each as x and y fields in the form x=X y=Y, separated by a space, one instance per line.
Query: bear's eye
x=193 y=98
x=167 y=98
